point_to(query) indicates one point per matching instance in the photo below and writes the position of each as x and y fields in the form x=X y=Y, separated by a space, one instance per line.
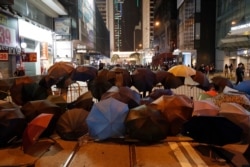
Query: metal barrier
x=191 y=91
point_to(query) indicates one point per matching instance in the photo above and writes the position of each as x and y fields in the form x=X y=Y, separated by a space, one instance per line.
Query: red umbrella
x=34 y=129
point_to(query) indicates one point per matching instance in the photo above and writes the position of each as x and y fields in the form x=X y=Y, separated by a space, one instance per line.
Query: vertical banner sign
x=9 y=34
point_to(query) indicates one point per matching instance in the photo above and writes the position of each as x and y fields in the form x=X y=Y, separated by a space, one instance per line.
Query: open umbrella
x=106 y=119
x=12 y=123
x=143 y=79
x=182 y=71
x=221 y=82
x=169 y=80
x=238 y=115
x=17 y=87
x=33 y=91
x=84 y=73
x=202 y=79
x=34 y=129
x=125 y=95
x=146 y=124
x=205 y=108
x=177 y=109
x=84 y=101
x=214 y=130
x=59 y=73
x=157 y=93
x=4 y=89
x=58 y=100
x=72 y=124
x=119 y=76
x=243 y=86
x=98 y=86
x=34 y=108
x=232 y=98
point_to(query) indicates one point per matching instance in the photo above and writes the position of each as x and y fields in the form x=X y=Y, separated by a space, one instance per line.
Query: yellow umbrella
x=182 y=71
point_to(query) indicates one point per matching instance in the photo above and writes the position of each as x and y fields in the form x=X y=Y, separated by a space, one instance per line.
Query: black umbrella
x=72 y=124
x=119 y=76
x=12 y=123
x=84 y=101
x=84 y=73
x=4 y=89
x=221 y=82
x=146 y=124
x=214 y=130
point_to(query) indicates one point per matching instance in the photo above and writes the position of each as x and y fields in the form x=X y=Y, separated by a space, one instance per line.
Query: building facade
x=232 y=33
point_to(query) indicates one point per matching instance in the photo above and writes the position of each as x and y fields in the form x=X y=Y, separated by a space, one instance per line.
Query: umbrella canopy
x=143 y=79
x=84 y=73
x=84 y=101
x=232 y=98
x=182 y=71
x=177 y=109
x=33 y=91
x=17 y=87
x=157 y=93
x=202 y=79
x=12 y=123
x=34 y=108
x=58 y=100
x=213 y=130
x=106 y=119
x=72 y=124
x=34 y=130
x=146 y=124
x=205 y=108
x=238 y=115
x=169 y=80
x=125 y=95
x=119 y=76
x=220 y=82
x=243 y=86
x=59 y=73
x=4 y=89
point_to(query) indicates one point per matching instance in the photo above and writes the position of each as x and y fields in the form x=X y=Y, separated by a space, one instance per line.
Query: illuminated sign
x=4 y=56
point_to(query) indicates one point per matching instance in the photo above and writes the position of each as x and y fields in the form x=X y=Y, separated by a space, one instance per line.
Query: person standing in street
x=226 y=70
x=231 y=70
x=239 y=74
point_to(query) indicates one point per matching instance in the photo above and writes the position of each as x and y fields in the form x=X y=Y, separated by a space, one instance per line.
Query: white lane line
x=179 y=155
x=194 y=155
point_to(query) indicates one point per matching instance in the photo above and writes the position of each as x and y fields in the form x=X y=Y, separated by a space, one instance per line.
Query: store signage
x=7 y=36
x=29 y=57
x=4 y=56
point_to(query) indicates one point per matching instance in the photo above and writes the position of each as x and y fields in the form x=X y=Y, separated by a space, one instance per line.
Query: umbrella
x=119 y=76
x=169 y=80
x=84 y=101
x=12 y=123
x=182 y=71
x=33 y=91
x=58 y=100
x=238 y=115
x=106 y=119
x=177 y=109
x=232 y=98
x=143 y=79
x=17 y=87
x=202 y=79
x=34 y=129
x=146 y=124
x=205 y=108
x=4 y=89
x=60 y=74
x=34 y=108
x=220 y=82
x=125 y=95
x=72 y=124
x=98 y=86
x=214 y=130
x=243 y=86
x=157 y=93
x=84 y=73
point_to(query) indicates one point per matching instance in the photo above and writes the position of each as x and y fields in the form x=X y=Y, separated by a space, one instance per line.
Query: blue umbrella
x=243 y=86
x=106 y=119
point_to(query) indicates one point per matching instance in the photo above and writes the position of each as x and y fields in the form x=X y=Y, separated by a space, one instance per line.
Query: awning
x=234 y=42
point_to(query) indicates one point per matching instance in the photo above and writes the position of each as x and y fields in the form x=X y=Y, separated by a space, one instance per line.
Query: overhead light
x=56 y=6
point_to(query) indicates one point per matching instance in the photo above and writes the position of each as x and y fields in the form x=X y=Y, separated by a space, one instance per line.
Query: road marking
x=179 y=155
x=193 y=154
